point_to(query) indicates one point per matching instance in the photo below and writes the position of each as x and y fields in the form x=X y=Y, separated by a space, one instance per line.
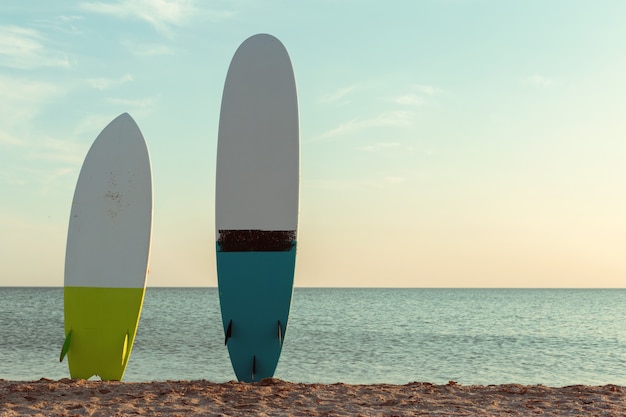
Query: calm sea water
x=472 y=336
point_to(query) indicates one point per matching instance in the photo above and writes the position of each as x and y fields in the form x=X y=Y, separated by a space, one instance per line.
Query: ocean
x=554 y=337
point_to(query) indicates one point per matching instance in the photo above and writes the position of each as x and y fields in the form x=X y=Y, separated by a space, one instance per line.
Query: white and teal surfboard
x=256 y=203
x=108 y=249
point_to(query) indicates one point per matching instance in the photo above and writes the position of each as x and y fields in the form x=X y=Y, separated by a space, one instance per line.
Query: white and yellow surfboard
x=108 y=250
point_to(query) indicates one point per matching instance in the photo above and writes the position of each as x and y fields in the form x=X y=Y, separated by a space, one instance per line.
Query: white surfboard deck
x=257 y=185
x=108 y=242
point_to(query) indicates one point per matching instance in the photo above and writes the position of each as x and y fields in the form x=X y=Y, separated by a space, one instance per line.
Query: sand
x=273 y=397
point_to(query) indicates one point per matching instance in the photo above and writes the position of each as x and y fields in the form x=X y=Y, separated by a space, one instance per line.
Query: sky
x=444 y=143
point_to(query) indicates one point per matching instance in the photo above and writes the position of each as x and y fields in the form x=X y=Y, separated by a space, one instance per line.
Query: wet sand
x=273 y=397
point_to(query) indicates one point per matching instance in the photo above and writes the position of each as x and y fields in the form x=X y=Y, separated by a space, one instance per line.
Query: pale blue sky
x=449 y=143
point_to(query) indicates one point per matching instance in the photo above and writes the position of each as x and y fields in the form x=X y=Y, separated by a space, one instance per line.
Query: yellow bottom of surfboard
x=100 y=328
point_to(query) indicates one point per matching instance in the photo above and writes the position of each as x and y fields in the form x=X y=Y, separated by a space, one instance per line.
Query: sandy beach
x=273 y=397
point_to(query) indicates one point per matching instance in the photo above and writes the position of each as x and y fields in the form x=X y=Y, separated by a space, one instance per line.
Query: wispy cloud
x=540 y=80
x=22 y=100
x=10 y=177
x=106 y=83
x=147 y=49
x=415 y=95
x=45 y=178
x=161 y=14
x=58 y=176
x=24 y=146
x=380 y=182
x=339 y=94
x=426 y=89
x=25 y=48
x=8 y=139
x=380 y=146
x=409 y=100
x=393 y=179
x=69 y=19
x=401 y=115
x=387 y=119
x=92 y=124
x=58 y=150
x=139 y=103
x=49 y=163
x=67 y=25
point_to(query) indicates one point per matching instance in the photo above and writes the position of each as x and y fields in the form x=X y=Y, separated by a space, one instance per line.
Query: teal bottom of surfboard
x=255 y=290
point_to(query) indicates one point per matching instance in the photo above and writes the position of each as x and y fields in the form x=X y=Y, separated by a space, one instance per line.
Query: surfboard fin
x=125 y=348
x=280 y=333
x=66 y=346
x=253 y=367
x=229 y=332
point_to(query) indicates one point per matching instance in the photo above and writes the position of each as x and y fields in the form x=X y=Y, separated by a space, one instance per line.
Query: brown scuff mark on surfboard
x=256 y=240
x=114 y=196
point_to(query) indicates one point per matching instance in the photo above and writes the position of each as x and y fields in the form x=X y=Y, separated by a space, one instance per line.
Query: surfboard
x=107 y=253
x=256 y=204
